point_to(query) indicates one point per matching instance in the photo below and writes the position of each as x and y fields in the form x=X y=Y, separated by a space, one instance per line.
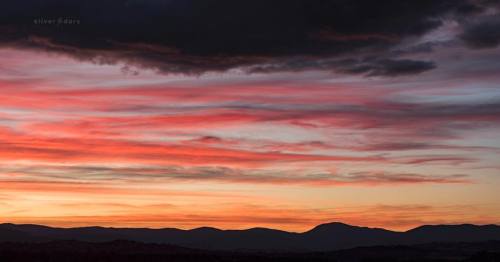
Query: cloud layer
x=193 y=37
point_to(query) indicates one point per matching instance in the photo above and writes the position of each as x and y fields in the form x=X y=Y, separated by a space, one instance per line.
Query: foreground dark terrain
x=123 y=251
x=327 y=242
x=322 y=238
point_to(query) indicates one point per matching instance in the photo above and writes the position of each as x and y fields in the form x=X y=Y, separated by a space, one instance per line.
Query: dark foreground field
x=124 y=251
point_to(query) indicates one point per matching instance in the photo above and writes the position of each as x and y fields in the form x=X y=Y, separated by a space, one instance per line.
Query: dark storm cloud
x=388 y=67
x=369 y=66
x=197 y=36
x=484 y=33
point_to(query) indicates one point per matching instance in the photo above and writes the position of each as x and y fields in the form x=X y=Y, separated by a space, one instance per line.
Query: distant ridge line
x=324 y=237
x=251 y=228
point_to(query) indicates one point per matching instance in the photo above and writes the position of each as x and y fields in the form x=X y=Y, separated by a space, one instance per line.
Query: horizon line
x=245 y=229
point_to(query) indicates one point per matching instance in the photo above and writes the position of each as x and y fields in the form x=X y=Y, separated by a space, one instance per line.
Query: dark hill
x=326 y=237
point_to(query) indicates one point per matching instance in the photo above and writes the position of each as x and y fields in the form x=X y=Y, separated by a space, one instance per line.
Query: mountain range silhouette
x=325 y=237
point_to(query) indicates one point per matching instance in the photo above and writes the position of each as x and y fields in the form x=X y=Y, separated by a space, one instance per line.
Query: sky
x=241 y=114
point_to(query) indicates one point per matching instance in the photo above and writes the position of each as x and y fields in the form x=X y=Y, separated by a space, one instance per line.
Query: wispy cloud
x=103 y=174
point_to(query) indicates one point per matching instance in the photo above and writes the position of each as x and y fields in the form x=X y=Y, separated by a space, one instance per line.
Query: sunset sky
x=281 y=114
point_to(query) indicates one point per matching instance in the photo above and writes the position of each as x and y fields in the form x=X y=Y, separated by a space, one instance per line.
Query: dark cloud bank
x=197 y=36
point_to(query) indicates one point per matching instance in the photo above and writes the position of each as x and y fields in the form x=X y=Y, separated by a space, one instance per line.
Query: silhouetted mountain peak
x=263 y=229
x=433 y=228
x=206 y=229
x=24 y=226
x=338 y=227
x=331 y=226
